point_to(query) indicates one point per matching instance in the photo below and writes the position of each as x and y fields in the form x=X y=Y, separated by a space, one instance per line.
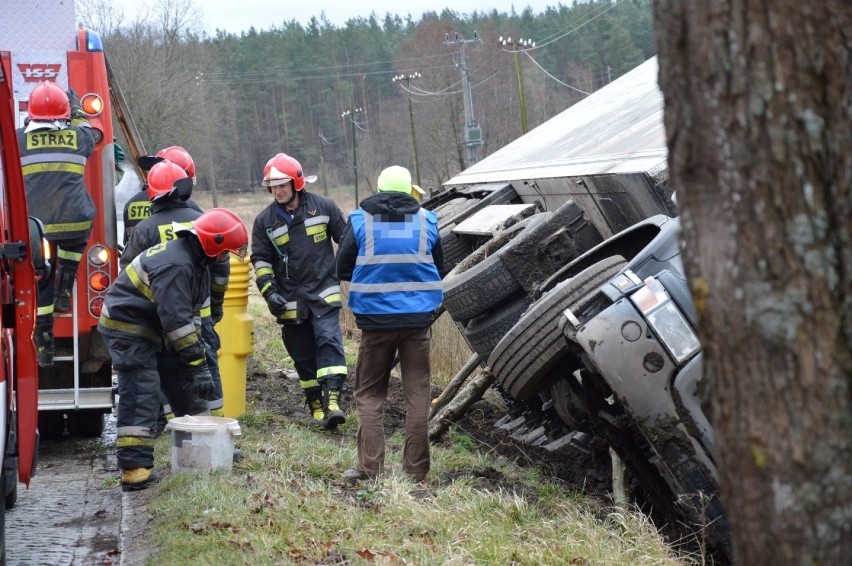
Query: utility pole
x=407 y=78
x=523 y=44
x=199 y=79
x=472 y=131
x=350 y=114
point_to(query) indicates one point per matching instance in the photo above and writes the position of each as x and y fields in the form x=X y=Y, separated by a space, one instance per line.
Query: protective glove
x=76 y=109
x=277 y=303
x=216 y=312
x=200 y=382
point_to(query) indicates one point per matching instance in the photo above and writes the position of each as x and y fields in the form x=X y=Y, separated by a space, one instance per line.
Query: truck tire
x=455 y=248
x=482 y=280
x=534 y=345
x=552 y=245
x=566 y=393
x=485 y=331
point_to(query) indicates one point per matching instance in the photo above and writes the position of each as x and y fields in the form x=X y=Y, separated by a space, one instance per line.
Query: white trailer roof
x=617 y=129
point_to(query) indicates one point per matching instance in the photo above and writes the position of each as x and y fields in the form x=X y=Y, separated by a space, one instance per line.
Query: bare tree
x=757 y=110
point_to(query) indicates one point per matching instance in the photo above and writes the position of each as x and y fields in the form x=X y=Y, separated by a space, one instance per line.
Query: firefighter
x=293 y=260
x=138 y=207
x=151 y=305
x=392 y=254
x=170 y=182
x=55 y=145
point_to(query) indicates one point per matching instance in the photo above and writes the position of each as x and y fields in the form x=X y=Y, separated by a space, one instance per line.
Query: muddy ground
x=280 y=393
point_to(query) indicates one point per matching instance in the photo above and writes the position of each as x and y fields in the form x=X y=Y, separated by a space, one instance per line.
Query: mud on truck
x=76 y=393
x=566 y=282
x=21 y=264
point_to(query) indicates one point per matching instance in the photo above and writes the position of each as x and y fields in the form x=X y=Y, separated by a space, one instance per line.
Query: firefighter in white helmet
x=293 y=259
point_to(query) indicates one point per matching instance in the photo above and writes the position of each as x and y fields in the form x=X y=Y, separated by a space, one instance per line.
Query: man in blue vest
x=391 y=253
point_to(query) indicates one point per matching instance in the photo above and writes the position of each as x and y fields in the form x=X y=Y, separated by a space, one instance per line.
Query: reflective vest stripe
x=139 y=278
x=53 y=168
x=67 y=227
x=391 y=287
x=37 y=158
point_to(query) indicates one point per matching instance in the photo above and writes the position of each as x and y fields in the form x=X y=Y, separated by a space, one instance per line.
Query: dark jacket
x=158 y=228
x=54 y=163
x=138 y=208
x=295 y=256
x=402 y=280
x=157 y=296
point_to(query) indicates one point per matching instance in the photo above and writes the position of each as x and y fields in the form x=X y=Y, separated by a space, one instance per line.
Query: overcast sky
x=238 y=15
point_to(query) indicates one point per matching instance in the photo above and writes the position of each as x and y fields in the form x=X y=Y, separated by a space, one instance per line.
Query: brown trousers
x=372 y=375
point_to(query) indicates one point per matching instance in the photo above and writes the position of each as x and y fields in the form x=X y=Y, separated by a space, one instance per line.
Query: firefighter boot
x=44 y=341
x=136 y=479
x=64 y=285
x=313 y=396
x=334 y=413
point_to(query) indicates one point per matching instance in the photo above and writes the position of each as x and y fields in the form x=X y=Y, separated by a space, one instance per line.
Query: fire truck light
x=99 y=281
x=92 y=104
x=98 y=255
x=96 y=306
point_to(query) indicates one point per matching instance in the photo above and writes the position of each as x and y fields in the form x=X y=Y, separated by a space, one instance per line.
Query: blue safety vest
x=394 y=272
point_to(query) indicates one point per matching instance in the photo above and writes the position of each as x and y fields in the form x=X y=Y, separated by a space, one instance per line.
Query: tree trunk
x=757 y=113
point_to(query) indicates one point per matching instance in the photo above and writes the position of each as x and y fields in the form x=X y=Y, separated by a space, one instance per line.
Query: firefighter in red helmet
x=55 y=145
x=152 y=306
x=293 y=260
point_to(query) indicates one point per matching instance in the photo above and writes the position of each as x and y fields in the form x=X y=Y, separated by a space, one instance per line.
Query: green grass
x=286 y=503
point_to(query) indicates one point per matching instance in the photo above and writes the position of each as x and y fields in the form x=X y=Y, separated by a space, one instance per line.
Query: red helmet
x=220 y=230
x=177 y=154
x=283 y=168
x=49 y=102
x=162 y=179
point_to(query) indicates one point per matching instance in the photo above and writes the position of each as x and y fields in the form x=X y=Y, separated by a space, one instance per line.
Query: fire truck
x=21 y=264
x=76 y=393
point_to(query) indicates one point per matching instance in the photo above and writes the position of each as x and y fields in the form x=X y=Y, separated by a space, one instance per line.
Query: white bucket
x=203 y=443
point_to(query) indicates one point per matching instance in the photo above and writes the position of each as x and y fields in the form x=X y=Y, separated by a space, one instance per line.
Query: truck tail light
x=96 y=306
x=99 y=281
x=92 y=104
x=98 y=255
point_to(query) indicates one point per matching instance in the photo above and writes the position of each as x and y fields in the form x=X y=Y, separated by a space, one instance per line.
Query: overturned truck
x=566 y=281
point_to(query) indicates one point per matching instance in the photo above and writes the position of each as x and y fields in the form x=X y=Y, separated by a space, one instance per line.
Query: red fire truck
x=21 y=263
x=77 y=391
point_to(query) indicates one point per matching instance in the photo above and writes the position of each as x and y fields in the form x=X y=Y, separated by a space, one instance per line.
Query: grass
x=286 y=503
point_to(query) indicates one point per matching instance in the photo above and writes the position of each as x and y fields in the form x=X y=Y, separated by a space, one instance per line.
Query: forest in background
x=314 y=90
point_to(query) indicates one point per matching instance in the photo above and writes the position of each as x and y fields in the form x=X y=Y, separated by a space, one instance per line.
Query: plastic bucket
x=203 y=443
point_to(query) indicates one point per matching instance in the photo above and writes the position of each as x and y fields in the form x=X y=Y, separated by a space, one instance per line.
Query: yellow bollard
x=236 y=329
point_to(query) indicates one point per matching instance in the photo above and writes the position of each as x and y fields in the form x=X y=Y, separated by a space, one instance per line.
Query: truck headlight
x=666 y=320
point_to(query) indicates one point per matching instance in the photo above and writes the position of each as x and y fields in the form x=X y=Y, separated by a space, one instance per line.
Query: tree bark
x=757 y=114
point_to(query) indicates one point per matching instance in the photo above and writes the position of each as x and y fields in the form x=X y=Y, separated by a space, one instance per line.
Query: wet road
x=72 y=512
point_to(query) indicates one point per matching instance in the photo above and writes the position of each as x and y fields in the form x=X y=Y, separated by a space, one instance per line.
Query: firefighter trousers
x=68 y=254
x=135 y=361
x=372 y=376
x=316 y=346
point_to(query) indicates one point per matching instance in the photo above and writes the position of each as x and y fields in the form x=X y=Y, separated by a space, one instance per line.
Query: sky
x=239 y=15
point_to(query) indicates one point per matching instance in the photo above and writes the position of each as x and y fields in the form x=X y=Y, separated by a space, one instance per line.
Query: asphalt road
x=74 y=511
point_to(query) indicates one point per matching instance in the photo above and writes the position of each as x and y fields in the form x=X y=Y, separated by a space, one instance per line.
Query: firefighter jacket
x=294 y=256
x=158 y=228
x=138 y=208
x=54 y=162
x=157 y=296
x=392 y=255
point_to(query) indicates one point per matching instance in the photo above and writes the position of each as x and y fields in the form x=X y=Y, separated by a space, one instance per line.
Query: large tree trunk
x=757 y=113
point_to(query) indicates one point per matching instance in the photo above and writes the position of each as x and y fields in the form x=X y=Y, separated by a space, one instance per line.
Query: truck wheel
x=534 y=345
x=568 y=403
x=552 y=245
x=455 y=248
x=485 y=331
x=482 y=280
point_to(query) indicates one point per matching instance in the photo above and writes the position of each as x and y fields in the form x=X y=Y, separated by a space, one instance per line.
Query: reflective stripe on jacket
x=54 y=163
x=394 y=271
